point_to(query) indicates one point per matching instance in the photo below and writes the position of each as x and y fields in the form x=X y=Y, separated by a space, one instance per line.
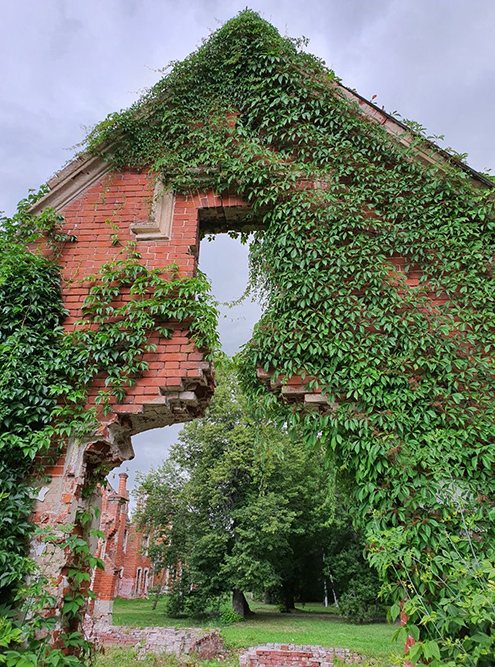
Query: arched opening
x=224 y=260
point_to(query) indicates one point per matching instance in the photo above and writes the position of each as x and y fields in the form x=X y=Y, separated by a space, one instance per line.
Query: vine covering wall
x=47 y=398
x=351 y=215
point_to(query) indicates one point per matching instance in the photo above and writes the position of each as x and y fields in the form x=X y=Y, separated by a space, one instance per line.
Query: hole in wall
x=225 y=262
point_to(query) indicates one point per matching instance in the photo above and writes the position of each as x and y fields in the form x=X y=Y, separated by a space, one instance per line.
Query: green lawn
x=268 y=625
x=140 y=614
x=373 y=640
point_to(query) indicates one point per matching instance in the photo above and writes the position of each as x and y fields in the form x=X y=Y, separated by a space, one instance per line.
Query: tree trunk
x=267 y=596
x=240 y=604
x=289 y=603
x=335 y=599
x=159 y=589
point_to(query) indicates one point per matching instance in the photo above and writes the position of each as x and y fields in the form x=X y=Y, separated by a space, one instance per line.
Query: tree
x=352 y=583
x=238 y=514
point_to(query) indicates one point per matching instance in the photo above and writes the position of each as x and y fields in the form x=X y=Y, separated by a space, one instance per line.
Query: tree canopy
x=241 y=505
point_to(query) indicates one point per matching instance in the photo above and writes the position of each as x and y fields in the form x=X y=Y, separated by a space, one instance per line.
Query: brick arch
x=99 y=205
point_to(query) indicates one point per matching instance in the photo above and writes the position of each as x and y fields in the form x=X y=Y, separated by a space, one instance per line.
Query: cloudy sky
x=67 y=64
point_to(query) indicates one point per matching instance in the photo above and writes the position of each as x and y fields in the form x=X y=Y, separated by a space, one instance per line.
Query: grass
x=317 y=608
x=125 y=657
x=372 y=640
x=306 y=626
x=140 y=614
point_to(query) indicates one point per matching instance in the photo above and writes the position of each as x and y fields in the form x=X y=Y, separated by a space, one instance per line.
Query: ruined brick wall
x=294 y=389
x=105 y=211
x=113 y=206
x=179 y=382
x=113 y=524
x=173 y=641
x=119 y=208
x=128 y=569
x=289 y=655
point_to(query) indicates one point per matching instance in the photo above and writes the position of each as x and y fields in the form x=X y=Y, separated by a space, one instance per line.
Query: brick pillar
x=123 y=477
x=72 y=488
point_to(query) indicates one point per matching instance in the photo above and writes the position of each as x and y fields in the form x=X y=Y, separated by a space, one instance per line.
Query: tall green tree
x=240 y=505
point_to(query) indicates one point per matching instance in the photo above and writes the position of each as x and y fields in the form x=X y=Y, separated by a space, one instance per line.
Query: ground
x=311 y=624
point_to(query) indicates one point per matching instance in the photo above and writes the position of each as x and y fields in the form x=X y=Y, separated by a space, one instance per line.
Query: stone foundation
x=288 y=655
x=173 y=641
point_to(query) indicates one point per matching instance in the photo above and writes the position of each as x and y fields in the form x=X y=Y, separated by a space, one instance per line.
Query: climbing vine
x=46 y=373
x=376 y=268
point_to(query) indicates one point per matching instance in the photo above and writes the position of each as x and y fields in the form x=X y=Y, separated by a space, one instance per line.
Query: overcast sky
x=66 y=64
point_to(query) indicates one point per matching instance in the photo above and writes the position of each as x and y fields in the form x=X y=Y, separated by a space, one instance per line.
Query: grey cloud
x=229 y=282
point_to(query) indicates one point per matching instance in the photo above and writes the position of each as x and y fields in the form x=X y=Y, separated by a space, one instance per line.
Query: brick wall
x=128 y=569
x=116 y=202
x=173 y=641
x=288 y=655
x=105 y=212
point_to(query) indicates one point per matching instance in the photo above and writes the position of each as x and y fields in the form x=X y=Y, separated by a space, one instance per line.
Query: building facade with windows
x=128 y=569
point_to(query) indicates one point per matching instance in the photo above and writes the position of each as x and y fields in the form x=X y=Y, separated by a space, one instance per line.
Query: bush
x=359 y=603
x=174 y=606
x=229 y=617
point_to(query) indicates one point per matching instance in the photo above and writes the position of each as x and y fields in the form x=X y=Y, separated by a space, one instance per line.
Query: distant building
x=128 y=569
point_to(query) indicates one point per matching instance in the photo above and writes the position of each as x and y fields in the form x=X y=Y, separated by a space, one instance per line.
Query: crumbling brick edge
x=208 y=645
x=175 y=641
x=290 y=655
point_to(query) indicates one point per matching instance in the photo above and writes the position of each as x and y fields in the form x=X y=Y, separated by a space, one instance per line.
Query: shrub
x=229 y=617
x=359 y=603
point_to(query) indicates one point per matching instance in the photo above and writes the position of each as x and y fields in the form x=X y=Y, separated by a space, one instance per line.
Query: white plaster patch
x=38 y=548
x=42 y=493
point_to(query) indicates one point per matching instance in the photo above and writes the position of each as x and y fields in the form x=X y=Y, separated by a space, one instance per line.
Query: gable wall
x=179 y=382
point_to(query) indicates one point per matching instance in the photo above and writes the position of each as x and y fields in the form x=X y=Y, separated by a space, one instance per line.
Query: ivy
x=46 y=375
x=126 y=304
x=406 y=365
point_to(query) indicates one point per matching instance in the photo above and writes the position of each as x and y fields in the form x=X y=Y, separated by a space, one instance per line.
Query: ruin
x=179 y=382
x=369 y=339
x=94 y=199
x=129 y=571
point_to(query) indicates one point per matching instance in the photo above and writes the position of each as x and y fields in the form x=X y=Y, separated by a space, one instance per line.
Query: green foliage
x=234 y=517
x=30 y=316
x=410 y=378
x=350 y=579
x=359 y=603
x=228 y=617
x=46 y=373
